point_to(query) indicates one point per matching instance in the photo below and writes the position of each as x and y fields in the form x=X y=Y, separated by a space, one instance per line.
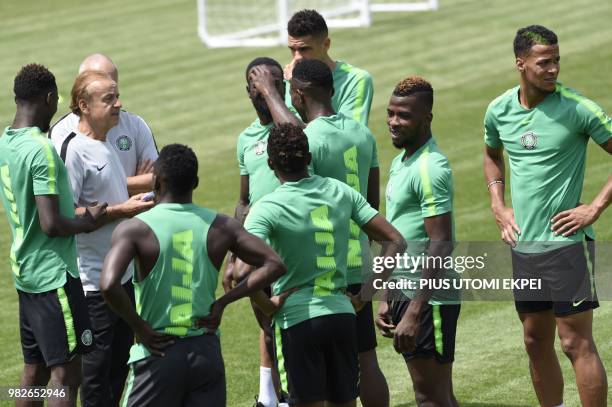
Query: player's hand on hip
x=212 y=320
x=507 y=225
x=569 y=222
x=279 y=300
x=406 y=333
x=154 y=341
x=227 y=281
x=383 y=320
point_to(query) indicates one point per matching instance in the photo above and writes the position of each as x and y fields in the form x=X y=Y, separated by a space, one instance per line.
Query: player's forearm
x=437 y=249
x=603 y=199
x=494 y=170
x=139 y=184
x=64 y=227
x=280 y=112
x=241 y=211
x=118 y=300
x=390 y=249
x=260 y=278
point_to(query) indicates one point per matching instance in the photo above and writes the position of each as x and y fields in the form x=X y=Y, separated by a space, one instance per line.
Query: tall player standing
x=544 y=128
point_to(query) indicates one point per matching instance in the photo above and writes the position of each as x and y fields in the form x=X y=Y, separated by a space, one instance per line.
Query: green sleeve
x=357 y=103
x=318 y=153
x=44 y=168
x=240 y=155
x=597 y=124
x=491 y=135
x=434 y=187
x=374 y=163
x=260 y=220
x=362 y=212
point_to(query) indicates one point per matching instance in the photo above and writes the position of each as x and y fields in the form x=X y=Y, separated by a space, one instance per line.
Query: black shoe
x=257 y=403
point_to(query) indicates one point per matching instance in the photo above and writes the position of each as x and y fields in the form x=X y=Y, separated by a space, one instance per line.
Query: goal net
x=261 y=23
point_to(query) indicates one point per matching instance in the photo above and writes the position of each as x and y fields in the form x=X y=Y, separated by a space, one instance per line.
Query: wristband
x=497 y=181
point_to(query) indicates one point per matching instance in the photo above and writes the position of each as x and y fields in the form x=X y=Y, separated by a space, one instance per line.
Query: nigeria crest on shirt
x=529 y=140
x=260 y=147
x=124 y=143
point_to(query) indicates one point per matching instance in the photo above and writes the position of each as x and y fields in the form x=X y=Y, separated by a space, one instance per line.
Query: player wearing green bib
x=256 y=181
x=54 y=324
x=307 y=222
x=419 y=199
x=344 y=149
x=178 y=247
x=353 y=88
x=544 y=128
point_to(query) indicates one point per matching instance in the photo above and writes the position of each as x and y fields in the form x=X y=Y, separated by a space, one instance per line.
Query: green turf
x=195 y=95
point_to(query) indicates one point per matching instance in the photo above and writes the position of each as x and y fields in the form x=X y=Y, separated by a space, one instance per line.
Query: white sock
x=267 y=395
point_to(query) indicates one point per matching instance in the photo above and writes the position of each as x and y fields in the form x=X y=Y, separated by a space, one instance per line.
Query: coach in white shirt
x=131 y=138
x=96 y=173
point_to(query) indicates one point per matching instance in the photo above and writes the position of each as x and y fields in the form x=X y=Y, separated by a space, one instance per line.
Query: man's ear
x=326 y=44
x=156 y=185
x=520 y=64
x=82 y=104
x=270 y=164
x=49 y=97
x=197 y=182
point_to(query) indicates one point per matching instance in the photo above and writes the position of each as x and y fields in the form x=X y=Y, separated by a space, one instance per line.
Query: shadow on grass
x=468 y=404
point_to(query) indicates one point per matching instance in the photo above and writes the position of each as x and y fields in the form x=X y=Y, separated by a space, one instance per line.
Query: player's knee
x=575 y=346
x=535 y=345
x=66 y=375
x=35 y=374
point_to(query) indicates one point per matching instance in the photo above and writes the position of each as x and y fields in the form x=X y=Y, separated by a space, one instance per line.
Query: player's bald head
x=100 y=62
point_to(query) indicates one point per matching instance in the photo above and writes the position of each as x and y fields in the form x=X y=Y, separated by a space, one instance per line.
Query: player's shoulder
x=503 y=100
x=572 y=97
x=351 y=70
x=253 y=129
x=433 y=161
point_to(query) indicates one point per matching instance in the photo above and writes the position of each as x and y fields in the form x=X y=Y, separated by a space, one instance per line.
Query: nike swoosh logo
x=100 y=168
x=575 y=304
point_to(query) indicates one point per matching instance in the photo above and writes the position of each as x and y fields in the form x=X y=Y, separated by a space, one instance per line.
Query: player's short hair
x=313 y=72
x=262 y=61
x=288 y=148
x=33 y=80
x=307 y=22
x=529 y=36
x=177 y=164
x=413 y=85
x=79 y=88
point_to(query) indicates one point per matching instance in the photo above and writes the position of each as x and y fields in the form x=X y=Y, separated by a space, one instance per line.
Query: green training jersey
x=344 y=149
x=181 y=286
x=546 y=147
x=252 y=154
x=419 y=187
x=353 y=92
x=30 y=166
x=307 y=224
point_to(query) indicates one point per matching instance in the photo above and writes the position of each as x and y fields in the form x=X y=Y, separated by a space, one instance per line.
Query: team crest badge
x=124 y=143
x=529 y=140
x=260 y=147
x=87 y=337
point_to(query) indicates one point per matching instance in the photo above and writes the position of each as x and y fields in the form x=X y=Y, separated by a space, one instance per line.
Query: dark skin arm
x=494 y=169
x=572 y=220
x=132 y=239
x=262 y=79
x=241 y=212
x=228 y=234
x=439 y=230
x=53 y=224
x=373 y=197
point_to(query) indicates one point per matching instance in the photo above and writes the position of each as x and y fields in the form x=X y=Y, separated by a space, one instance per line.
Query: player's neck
x=530 y=96
x=316 y=110
x=412 y=148
x=92 y=130
x=292 y=177
x=169 y=197
x=28 y=117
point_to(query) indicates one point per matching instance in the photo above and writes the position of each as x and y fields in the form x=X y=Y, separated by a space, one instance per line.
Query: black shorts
x=54 y=325
x=567 y=279
x=191 y=373
x=320 y=359
x=366 y=334
x=438 y=330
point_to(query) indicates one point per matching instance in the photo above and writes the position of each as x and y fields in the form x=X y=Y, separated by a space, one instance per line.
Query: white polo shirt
x=96 y=175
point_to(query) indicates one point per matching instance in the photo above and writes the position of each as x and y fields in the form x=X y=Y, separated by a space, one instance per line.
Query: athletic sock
x=267 y=395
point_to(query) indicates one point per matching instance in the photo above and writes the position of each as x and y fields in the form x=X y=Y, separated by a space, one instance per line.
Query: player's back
x=30 y=166
x=307 y=223
x=181 y=286
x=343 y=149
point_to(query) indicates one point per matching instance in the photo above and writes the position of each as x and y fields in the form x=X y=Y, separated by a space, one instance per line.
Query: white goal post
x=263 y=23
